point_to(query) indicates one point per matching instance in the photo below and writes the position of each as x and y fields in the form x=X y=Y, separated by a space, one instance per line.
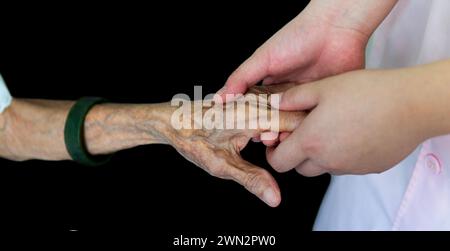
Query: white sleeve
x=5 y=97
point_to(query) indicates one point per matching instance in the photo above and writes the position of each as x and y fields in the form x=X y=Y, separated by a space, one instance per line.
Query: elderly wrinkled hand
x=217 y=151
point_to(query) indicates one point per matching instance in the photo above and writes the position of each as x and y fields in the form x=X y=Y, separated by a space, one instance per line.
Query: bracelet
x=74 y=133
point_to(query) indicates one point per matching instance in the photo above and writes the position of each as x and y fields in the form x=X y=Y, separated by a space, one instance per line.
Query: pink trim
x=410 y=189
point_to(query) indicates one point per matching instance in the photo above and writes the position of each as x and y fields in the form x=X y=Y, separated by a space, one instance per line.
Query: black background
x=141 y=53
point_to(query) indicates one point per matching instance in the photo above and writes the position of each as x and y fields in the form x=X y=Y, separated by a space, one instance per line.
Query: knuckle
x=231 y=81
x=239 y=70
x=273 y=63
x=253 y=180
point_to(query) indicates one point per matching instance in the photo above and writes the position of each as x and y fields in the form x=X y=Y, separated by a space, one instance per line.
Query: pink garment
x=418 y=32
x=415 y=194
x=426 y=203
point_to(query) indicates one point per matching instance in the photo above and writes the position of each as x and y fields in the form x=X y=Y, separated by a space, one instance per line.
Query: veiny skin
x=34 y=129
x=217 y=151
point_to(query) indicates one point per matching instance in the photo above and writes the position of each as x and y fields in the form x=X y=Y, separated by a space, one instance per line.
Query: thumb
x=256 y=180
x=249 y=73
x=301 y=97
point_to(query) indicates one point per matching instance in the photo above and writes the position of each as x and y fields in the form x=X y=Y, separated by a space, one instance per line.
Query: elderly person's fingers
x=256 y=180
x=269 y=138
x=272 y=142
x=288 y=122
x=226 y=164
x=271 y=89
x=283 y=136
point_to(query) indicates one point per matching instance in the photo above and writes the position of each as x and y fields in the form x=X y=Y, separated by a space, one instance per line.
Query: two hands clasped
x=359 y=122
x=335 y=116
x=350 y=120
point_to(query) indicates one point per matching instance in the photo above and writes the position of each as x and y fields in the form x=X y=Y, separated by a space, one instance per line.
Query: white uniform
x=415 y=194
x=5 y=97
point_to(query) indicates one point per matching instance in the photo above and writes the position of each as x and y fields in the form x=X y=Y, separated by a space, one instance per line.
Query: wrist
x=154 y=121
x=361 y=16
x=113 y=127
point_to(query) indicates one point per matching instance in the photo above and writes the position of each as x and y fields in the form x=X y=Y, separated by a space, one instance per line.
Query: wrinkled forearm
x=363 y=16
x=113 y=127
x=34 y=129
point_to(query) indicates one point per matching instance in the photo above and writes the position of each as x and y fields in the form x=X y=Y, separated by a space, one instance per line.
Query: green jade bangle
x=74 y=133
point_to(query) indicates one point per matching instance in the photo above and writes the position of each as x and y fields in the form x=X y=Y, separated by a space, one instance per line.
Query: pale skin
x=34 y=129
x=327 y=38
x=358 y=122
x=364 y=121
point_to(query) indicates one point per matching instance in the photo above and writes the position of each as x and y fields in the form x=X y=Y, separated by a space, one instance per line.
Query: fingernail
x=267 y=81
x=221 y=91
x=217 y=98
x=269 y=136
x=270 y=198
x=256 y=139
